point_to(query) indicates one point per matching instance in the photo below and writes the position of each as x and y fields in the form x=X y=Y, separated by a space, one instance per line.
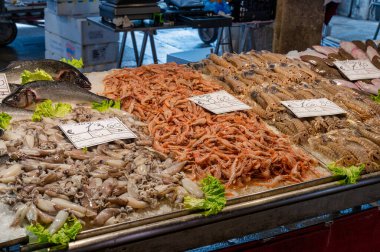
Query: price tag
x=313 y=107
x=88 y=134
x=4 y=87
x=219 y=102
x=358 y=69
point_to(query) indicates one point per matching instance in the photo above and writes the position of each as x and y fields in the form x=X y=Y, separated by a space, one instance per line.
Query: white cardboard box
x=91 y=54
x=85 y=69
x=73 y=7
x=78 y=30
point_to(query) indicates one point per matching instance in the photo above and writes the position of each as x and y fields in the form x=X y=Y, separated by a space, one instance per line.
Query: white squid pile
x=45 y=179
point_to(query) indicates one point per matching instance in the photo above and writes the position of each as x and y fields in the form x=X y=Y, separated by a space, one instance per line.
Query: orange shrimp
x=236 y=147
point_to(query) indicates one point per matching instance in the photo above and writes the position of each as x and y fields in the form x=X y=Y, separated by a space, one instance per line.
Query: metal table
x=148 y=32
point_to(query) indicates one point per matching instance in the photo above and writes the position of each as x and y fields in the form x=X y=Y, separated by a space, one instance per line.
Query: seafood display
x=43 y=173
x=266 y=79
x=59 y=70
x=322 y=58
x=236 y=148
x=45 y=180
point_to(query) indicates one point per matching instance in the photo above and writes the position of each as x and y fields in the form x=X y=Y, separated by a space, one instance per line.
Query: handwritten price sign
x=4 y=87
x=313 y=107
x=219 y=102
x=358 y=69
x=88 y=134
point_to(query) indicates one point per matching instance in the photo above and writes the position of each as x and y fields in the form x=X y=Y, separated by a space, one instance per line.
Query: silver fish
x=28 y=95
x=16 y=113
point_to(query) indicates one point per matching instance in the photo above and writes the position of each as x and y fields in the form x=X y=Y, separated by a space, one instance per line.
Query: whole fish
x=16 y=113
x=320 y=66
x=371 y=52
x=345 y=55
x=326 y=50
x=58 y=70
x=345 y=83
x=336 y=56
x=373 y=56
x=28 y=95
x=369 y=42
x=312 y=53
x=352 y=49
x=360 y=44
x=368 y=88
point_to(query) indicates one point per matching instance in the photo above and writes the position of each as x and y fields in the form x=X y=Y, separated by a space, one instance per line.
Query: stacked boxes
x=68 y=34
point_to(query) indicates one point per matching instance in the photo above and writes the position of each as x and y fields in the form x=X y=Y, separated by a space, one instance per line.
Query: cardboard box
x=85 y=69
x=73 y=7
x=78 y=29
x=91 y=54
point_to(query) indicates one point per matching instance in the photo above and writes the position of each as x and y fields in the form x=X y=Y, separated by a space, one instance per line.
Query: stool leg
x=219 y=40
x=143 y=46
x=135 y=47
x=122 y=48
x=230 y=39
x=244 y=38
x=153 y=47
x=377 y=31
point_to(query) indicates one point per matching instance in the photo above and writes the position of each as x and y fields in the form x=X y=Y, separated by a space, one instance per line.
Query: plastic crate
x=250 y=10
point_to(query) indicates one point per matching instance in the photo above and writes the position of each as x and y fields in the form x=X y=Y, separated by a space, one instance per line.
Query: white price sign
x=313 y=107
x=219 y=102
x=358 y=69
x=4 y=87
x=88 y=134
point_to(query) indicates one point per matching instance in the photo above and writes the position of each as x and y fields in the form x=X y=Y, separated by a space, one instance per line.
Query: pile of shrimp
x=236 y=148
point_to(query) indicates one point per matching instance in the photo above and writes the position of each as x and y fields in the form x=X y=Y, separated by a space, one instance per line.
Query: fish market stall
x=173 y=156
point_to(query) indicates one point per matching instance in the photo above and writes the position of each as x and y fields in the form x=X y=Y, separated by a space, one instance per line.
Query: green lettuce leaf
x=214 y=197
x=5 y=120
x=38 y=74
x=351 y=173
x=74 y=62
x=376 y=98
x=106 y=105
x=40 y=232
x=64 y=235
x=47 y=109
x=67 y=233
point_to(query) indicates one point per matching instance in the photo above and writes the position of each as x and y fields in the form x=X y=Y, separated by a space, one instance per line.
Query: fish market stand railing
x=245 y=215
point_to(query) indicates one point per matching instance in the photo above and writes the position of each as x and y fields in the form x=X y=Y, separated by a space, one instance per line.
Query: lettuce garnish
x=64 y=235
x=376 y=98
x=214 y=197
x=38 y=74
x=351 y=174
x=74 y=62
x=106 y=105
x=5 y=120
x=47 y=109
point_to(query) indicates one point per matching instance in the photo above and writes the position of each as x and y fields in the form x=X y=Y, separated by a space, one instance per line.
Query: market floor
x=29 y=43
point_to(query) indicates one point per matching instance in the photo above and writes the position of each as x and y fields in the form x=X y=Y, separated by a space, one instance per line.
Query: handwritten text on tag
x=313 y=107
x=358 y=69
x=88 y=134
x=4 y=87
x=219 y=102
